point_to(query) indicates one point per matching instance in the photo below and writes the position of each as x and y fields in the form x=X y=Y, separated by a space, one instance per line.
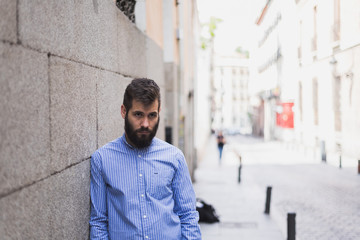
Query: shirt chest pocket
x=160 y=183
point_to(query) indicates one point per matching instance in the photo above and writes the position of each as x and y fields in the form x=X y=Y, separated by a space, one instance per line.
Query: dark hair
x=143 y=90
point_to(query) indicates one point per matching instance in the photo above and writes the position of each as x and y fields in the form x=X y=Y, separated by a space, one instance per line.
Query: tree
x=209 y=32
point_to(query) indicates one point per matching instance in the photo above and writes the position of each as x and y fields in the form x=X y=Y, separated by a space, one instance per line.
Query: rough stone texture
x=55 y=208
x=24 y=118
x=23 y=210
x=72 y=111
x=8 y=20
x=64 y=67
x=70 y=202
x=111 y=89
x=93 y=32
x=131 y=48
x=154 y=56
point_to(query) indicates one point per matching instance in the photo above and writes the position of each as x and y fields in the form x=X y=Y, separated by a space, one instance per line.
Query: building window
x=337 y=103
x=300 y=102
x=314 y=39
x=315 y=101
x=336 y=25
x=300 y=39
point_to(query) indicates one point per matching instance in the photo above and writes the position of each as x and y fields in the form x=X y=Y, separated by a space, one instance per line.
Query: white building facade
x=274 y=69
x=308 y=56
x=327 y=104
x=231 y=77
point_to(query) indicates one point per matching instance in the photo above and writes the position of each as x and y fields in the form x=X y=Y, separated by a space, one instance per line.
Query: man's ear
x=123 y=111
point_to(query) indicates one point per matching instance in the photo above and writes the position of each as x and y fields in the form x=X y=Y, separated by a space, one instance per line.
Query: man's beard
x=144 y=140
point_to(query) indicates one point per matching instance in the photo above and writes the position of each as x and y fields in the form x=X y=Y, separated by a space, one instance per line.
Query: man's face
x=141 y=123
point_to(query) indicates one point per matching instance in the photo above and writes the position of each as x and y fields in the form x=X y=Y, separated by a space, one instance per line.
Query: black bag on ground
x=206 y=211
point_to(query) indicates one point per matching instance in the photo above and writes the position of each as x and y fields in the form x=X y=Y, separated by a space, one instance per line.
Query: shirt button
x=146 y=237
x=140 y=175
x=144 y=216
x=142 y=195
x=139 y=156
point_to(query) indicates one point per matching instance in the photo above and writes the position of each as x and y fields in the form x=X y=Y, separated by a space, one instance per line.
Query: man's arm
x=98 y=216
x=185 y=202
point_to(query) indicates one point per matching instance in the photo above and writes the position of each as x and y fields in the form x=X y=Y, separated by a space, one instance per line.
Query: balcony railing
x=127 y=7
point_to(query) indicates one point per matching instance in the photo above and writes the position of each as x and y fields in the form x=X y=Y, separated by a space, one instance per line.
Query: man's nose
x=145 y=123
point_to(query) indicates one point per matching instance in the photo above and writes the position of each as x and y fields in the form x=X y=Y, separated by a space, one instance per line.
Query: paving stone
x=324 y=198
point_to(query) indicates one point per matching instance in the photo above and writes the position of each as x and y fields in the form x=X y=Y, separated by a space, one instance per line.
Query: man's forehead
x=139 y=106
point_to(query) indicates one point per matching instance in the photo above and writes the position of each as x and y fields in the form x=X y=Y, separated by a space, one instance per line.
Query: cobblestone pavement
x=326 y=199
x=240 y=206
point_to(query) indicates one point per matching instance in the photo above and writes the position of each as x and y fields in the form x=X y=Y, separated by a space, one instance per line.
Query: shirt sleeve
x=98 y=214
x=185 y=202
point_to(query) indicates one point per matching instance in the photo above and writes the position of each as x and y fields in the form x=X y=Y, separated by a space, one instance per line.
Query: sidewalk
x=240 y=205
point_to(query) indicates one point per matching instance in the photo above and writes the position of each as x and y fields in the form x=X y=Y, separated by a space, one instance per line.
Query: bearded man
x=140 y=185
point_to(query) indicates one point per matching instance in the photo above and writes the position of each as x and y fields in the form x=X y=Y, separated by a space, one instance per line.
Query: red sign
x=285 y=117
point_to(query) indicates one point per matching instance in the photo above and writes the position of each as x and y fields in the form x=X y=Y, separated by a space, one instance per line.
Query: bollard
x=239 y=174
x=339 y=151
x=291 y=230
x=323 y=151
x=340 y=162
x=268 y=199
x=358 y=166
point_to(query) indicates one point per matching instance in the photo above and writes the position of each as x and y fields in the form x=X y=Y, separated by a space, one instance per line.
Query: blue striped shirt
x=141 y=193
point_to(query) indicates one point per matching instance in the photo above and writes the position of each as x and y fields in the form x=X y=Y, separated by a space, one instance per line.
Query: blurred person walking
x=220 y=143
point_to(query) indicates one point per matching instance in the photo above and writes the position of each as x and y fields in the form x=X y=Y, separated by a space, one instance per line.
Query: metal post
x=358 y=166
x=323 y=151
x=291 y=230
x=268 y=200
x=239 y=174
x=340 y=162
x=339 y=151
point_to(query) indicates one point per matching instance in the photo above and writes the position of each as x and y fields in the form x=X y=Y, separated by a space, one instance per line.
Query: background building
x=327 y=107
x=231 y=76
x=273 y=69
x=304 y=76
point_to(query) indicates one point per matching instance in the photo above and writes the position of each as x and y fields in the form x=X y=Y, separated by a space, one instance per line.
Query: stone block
x=72 y=111
x=8 y=20
x=94 y=32
x=26 y=214
x=131 y=49
x=69 y=200
x=111 y=88
x=155 y=63
x=54 y=208
x=24 y=107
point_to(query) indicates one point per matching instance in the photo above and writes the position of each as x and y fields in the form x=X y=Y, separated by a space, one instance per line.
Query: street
x=324 y=197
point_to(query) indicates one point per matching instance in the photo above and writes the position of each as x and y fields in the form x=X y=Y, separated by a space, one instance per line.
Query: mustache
x=142 y=129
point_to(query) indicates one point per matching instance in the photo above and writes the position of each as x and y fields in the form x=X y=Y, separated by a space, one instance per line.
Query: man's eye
x=153 y=115
x=138 y=114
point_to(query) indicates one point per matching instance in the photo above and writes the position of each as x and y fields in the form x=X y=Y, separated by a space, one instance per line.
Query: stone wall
x=64 y=66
